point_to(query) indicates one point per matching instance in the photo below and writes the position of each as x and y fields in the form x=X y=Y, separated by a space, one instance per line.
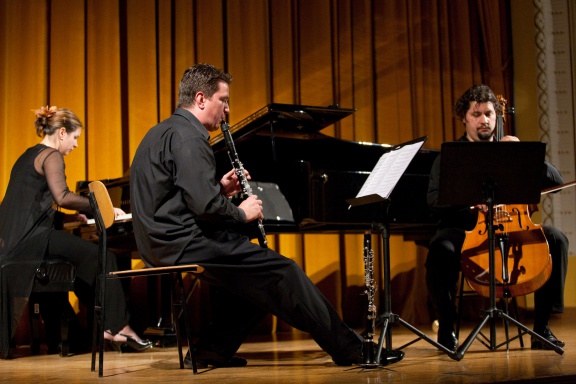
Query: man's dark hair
x=200 y=78
x=478 y=93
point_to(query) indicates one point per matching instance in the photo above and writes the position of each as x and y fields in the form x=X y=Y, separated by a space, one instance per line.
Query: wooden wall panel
x=210 y=34
x=446 y=36
x=392 y=78
x=315 y=53
x=167 y=95
x=142 y=87
x=283 y=52
x=24 y=78
x=103 y=91
x=425 y=65
x=343 y=67
x=248 y=52
x=363 y=62
x=184 y=41
x=464 y=71
x=5 y=160
x=68 y=74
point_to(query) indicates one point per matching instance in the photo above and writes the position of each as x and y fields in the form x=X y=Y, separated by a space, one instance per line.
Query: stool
x=49 y=301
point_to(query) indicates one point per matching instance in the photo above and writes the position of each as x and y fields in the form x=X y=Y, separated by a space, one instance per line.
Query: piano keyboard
x=76 y=224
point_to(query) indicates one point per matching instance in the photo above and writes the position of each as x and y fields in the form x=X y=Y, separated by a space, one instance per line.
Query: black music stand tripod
x=491 y=173
x=379 y=208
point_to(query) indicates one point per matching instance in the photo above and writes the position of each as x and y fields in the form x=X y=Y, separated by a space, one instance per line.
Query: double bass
x=522 y=258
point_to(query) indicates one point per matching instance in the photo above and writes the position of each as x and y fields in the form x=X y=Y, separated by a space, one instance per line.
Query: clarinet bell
x=369 y=355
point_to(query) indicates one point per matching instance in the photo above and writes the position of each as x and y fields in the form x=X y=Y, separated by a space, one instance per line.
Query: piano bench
x=49 y=303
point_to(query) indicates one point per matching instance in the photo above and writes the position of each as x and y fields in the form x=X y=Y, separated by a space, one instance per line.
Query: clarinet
x=239 y=170
x=369 y=350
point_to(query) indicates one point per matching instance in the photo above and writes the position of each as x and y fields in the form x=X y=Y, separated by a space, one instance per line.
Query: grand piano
x=304 y=176
x=282 y=145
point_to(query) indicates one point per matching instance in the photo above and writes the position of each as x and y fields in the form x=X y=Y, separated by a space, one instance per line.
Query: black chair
x=104 y=217
x=48 y=303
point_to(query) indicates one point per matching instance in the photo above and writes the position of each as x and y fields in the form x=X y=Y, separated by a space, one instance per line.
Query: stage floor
x=294 y=358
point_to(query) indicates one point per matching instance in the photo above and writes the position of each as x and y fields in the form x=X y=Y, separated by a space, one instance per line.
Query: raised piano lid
x=316 y=173
x=284 y=119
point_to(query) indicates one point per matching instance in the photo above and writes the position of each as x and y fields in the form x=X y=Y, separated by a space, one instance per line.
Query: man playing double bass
x=478 y=108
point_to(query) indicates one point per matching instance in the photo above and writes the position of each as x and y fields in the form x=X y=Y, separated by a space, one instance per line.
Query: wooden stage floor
x=297 y=359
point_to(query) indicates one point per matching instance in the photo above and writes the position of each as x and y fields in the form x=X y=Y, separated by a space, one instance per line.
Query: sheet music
x=127 y=216
x=390 y=167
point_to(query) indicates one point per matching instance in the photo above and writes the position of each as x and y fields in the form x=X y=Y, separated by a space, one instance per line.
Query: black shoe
x=548 y=335
x=386 y=357
x=391 y=357
x=130 y=345
x=206 y=358
x=447 y=338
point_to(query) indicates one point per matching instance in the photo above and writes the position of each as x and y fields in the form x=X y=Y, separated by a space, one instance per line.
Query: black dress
x=37 y=187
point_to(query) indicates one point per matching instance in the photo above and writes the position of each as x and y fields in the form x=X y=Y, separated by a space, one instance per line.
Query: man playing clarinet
x=182 y=215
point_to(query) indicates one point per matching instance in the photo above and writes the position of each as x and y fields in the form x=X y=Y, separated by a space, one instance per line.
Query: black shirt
x=175 y=196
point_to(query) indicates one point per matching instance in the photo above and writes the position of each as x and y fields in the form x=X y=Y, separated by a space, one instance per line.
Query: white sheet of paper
x=388 y=170
x=127 y=216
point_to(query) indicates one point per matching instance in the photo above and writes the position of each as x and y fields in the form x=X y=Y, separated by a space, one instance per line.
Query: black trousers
x=84 y=256
x=443 y=267
x=248 y=282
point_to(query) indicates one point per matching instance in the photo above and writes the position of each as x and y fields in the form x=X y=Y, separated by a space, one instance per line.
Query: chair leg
x=505 y=300
x=101 y=329
x=517 y=316
x=176 y=306
x=458 y=311
x=64 y=330
x=98 y=327
x=183 y=312
x=95 y=329
x=34 y=311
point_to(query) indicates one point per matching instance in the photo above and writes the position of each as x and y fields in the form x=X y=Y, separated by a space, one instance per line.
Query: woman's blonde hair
x=51 y=119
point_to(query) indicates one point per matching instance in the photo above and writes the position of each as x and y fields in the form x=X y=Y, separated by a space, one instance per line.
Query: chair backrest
x=103 y=201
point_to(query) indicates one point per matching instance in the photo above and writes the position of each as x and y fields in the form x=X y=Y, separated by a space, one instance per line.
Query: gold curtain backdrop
x=117 y=64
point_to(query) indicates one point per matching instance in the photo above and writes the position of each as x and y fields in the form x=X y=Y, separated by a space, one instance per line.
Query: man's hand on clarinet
x=230 y=185
x=252 y=207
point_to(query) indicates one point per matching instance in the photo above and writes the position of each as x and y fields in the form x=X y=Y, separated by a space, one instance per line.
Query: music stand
x=375 y=194
x=492 y=173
